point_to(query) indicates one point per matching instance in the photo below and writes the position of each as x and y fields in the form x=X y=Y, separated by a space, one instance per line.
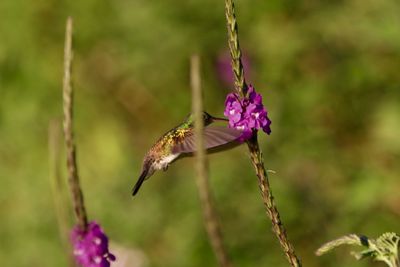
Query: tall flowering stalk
x=89 y=242
x=234 y=48
x=250 y=125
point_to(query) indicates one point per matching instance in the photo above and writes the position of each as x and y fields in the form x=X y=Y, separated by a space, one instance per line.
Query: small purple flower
x=233 y=110
x=91 y=247
x=247 y=114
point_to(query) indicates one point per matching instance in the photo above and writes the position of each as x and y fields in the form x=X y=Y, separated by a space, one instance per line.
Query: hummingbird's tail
x=139 y=182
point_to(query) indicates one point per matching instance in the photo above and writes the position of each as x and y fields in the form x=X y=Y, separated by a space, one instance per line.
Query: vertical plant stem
x=254 y=149
x=56 y=187
x=209 y=213
x=234 y=48
x=269 y=203
x=72 y=168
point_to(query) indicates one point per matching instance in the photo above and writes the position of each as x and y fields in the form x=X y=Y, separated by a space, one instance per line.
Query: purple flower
x=233 y=109
x=247 y=114
x=91 y=247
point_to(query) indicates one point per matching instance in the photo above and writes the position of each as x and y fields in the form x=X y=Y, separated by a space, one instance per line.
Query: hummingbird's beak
x=219 y=119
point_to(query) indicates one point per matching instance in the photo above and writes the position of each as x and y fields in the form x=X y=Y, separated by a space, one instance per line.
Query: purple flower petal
x=247 y=114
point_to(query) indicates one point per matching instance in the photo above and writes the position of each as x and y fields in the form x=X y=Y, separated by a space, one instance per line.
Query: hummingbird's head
x=207 y=118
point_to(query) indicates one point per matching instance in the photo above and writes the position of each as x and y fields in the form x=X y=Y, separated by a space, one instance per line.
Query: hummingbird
x=181 y=140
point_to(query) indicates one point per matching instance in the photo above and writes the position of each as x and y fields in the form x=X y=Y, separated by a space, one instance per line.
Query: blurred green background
x=329 y=74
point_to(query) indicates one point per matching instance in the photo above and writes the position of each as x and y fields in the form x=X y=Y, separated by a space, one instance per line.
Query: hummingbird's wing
x=214 y=136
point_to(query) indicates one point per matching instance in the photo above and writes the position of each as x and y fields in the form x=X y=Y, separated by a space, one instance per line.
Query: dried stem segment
x=209 y=213
x=234 y=47
x=73 y=178
x=255 y=152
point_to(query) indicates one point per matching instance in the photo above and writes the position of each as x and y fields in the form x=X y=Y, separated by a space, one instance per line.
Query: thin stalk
x=234 y=48
x=254 y=149
x=209 y=213
x=269 y=203
x=72 y=168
